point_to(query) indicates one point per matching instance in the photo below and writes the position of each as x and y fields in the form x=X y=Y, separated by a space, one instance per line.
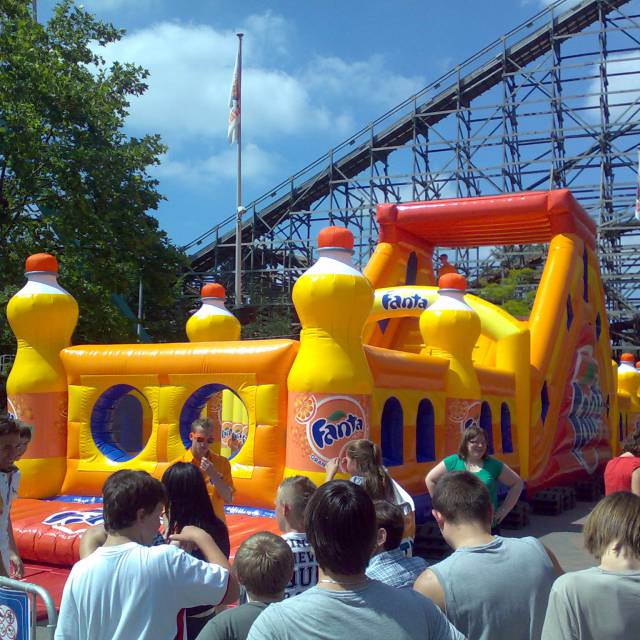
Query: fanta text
x=395 y=301
x=325 y=433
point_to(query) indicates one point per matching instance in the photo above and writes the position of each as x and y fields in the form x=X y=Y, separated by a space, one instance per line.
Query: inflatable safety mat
x=49 y=532
x=50 y=578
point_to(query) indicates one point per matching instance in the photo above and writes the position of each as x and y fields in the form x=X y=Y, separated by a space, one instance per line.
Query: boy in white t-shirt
x=9 y=478
x=291 y=500
x=127 y=589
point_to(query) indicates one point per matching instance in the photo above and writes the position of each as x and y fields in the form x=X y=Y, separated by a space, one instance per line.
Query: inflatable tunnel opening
x=121 y=423
x=227 y=411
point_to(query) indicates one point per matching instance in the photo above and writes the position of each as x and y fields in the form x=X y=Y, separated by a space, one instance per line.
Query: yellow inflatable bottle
x=450 y=329
x=43 y=316
x=330 y=383
x=213 y=322
x=629 y=381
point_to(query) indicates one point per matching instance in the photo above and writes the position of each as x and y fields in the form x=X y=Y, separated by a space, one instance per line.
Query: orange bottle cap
x=41 y=262
x=453 y=281
x=213 y=290
x=628 y=357
x=335 y=238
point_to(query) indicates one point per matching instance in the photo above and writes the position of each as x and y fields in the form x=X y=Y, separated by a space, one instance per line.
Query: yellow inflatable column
x=450 y=329
x=42 y=315
x=629 y=382
x=213 y=321
x=330 y=383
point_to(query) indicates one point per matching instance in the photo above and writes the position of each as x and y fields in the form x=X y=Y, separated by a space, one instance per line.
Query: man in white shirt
x=127 y=589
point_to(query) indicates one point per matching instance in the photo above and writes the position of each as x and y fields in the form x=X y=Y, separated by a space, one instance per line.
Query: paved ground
x=562 y=534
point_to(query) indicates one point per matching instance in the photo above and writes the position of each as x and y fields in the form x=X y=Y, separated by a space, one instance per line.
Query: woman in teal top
x=473 y=456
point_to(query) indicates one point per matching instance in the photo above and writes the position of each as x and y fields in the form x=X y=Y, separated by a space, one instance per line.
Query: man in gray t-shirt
x=490 y=587
x=341 y=522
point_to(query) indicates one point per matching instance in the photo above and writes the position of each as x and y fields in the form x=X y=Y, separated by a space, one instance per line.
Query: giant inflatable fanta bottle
x=629 y=382
x=450 y=329
x=213 y=321
x=42 y=315
x=210 y=323
x=330 y=383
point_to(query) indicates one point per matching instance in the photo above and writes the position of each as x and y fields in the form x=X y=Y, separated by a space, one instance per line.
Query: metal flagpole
x=239 y=209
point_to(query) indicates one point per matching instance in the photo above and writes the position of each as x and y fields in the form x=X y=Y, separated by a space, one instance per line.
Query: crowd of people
x=159 y=567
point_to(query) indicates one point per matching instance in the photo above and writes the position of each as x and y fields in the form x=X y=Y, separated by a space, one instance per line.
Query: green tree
x=72 y=183
x=515 y=292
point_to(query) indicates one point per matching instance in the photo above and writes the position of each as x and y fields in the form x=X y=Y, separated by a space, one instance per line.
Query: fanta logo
x=396 y=301
x=325 y=432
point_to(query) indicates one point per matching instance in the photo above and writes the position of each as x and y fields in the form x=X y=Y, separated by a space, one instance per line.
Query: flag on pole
x=638 y=189
x=234 y=102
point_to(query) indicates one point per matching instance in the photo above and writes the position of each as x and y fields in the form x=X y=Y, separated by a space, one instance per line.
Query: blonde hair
x=368 y=459
x=614 y=520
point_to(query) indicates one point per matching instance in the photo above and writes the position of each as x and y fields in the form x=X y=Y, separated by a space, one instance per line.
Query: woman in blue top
x=473 y=456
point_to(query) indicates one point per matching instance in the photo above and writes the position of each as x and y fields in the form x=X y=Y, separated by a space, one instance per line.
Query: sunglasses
x=202 y=439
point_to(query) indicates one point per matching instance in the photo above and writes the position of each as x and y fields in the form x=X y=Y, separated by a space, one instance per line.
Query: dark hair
x=390 y=518
x=264 y=564
x=124 y=493
x=368 y=458
x=296 y=492
x=189 y=504
x=615 y=519
x=8 y=425
x=461 y=497
x=632 y=443
x=25 y=432
x=469 y=434
x=340 y=522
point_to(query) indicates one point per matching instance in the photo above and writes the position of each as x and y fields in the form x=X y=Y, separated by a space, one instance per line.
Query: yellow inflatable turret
x=330 y=383
x=213 y=321
x=43 y=316
x=450 y=329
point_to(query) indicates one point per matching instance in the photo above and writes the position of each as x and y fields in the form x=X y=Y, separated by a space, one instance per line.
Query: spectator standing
x=263 y=565
x=215 y=468
x=340 y=521
x=127 y=589
x=445 y=265
x=490 y=587
x=602 y=602
x=291 y=501
x=473 y=456
x=9 y=479
x=389 y=564
x=622 y=473
x=189 y=505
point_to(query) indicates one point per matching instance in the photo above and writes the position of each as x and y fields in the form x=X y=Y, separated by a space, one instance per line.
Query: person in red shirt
x=215 y=468
x=623 y=472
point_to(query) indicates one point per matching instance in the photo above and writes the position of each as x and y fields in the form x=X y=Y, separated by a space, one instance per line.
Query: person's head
x=473 y=443
x=614 y=524
x=364 y=458
x=201 y=437
x=291 y=501
x=25 y=439
x=632 y=443
x=340 y=522
x=189 y=503
x=264 y=565
x=444 y=258
x=9 y=440
x=390 y=523
x=133 y=499
x=460 y=498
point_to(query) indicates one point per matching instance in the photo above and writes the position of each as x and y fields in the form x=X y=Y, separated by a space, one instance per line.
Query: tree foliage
x=72 y=183
x=515 y=292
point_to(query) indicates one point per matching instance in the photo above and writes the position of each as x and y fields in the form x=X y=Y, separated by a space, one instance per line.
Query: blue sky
x=314 y=73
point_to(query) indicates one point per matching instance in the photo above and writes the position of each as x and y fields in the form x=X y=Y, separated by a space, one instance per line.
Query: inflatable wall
x=384 y=354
